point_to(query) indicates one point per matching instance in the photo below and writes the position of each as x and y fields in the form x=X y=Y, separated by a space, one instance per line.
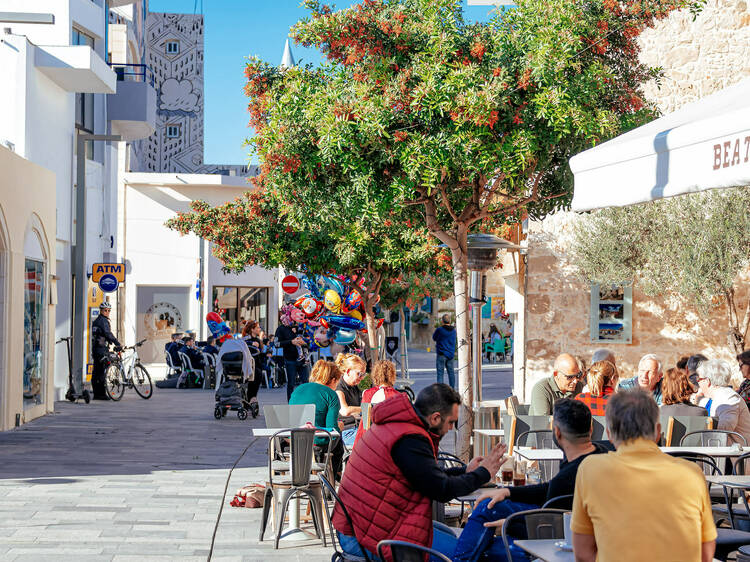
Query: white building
x=173 y=280
x=57 y=84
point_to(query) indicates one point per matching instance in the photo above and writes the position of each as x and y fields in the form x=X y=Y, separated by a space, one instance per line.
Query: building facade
x=698 y=57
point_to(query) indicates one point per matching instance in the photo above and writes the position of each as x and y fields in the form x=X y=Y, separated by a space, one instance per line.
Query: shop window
x=237 y=305
x=160 y=312
x=33 y=333
x=172 y=47
x=611 y=317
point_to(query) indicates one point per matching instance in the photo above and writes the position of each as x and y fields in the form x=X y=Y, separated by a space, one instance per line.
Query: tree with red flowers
x=471 y=124
x=254 y=230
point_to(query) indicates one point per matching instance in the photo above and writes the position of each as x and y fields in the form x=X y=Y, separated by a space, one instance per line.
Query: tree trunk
x=737 y=328
x=463 y=374
x=372 y=334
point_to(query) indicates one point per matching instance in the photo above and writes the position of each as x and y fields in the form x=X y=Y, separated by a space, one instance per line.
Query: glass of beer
x=506 y=472
x=519 y=473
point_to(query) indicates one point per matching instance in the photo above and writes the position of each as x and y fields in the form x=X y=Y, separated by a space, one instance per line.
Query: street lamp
x=80 y=284
x=482 y=255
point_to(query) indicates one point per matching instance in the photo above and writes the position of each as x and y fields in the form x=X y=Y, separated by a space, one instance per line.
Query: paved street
x=144 y=479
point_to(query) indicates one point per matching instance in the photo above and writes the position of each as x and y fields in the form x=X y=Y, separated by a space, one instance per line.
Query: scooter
x=71 y=394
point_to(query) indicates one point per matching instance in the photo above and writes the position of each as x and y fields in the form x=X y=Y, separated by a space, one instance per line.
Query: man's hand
x=474 y=464
x=494 y=496
x=494 y=460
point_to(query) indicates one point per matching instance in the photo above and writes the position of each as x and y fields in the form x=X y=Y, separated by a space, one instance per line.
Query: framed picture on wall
x=611 y=317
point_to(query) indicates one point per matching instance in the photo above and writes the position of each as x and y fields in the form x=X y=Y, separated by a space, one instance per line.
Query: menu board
x=611 y=313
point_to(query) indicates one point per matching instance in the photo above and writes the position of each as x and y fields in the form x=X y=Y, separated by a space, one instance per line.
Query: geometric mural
x=174 y=51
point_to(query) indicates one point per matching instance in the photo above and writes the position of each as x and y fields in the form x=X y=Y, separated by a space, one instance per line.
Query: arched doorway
x=34 y=317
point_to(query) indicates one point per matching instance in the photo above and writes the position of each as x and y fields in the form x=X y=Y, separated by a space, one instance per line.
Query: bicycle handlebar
x=139 y=344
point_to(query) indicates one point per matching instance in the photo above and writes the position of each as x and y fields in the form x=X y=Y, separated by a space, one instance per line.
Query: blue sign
x=108 y=283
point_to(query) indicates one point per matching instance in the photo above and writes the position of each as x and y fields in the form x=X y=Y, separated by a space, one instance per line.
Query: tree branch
x=446 y=202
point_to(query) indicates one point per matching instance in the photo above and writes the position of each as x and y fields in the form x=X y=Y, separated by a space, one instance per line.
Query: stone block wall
x=698 y=58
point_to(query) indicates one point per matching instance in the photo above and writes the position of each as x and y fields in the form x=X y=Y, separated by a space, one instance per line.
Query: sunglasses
x=577 y=375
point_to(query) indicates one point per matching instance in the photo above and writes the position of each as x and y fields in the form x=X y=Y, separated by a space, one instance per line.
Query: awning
x=703 y=145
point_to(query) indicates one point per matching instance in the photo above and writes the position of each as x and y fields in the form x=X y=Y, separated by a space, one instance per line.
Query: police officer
x=102 y=336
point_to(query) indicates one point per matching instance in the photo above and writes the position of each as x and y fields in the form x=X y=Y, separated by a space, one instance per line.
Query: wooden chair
x=677 y=427
x=366 y=420
x=599 y=425
x=515 y=408
x=516 y=425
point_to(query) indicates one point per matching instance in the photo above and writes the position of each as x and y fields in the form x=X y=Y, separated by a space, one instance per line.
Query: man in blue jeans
x=572 y=433
x=445 y=347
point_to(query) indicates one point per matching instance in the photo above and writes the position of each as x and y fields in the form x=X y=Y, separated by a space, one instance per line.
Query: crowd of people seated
x=395 y=461
x=695 y=386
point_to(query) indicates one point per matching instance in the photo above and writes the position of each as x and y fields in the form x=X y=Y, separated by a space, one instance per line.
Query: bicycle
x=127 y=372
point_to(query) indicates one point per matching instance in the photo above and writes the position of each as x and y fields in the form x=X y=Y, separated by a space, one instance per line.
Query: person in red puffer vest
x=393 y=475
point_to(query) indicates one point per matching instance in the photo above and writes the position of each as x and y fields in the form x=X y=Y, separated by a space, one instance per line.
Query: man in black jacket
x=295 y=358
x=572 y=433
x=101 y=337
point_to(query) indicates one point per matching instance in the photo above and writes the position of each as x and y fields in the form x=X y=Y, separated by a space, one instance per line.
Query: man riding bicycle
x=101 y=337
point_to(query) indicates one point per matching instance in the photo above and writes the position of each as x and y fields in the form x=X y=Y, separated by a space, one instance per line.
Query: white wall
x=158 y=256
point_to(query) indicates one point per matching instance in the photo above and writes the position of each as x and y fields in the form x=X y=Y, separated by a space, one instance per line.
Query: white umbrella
x=703 y=145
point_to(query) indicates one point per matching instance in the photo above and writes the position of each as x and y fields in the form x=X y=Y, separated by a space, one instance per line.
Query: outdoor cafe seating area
x=301 y=490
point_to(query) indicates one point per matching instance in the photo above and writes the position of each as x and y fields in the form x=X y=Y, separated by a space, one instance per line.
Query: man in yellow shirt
x=638 y=503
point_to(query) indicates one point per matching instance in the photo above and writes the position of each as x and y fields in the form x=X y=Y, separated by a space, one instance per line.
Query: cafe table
x=557 y=454
x=490 y=432
x=730 y=480
x=545 y=549
x=293 y=532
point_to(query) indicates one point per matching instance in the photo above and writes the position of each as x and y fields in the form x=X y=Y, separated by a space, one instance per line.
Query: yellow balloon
x=332 y=301
x=356 y=314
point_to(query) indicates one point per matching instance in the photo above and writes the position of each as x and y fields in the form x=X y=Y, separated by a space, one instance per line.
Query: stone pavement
x=142 y=480
x=135 y=480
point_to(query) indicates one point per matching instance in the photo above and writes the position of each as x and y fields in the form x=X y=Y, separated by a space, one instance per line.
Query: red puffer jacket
x=378 y=497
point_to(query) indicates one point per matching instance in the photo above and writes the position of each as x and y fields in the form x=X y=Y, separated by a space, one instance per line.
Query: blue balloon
x=344 y=322
x=345 y=337
x=312 y=286
x=334 y=284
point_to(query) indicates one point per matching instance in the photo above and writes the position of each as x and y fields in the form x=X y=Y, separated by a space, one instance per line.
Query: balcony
x=116 y=3
x=132 y=109
x=75 y=68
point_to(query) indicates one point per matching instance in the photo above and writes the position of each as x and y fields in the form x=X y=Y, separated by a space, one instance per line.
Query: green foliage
x=692 y=246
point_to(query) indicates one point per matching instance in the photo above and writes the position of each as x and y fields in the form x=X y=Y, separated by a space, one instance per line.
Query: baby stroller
x=232 y=392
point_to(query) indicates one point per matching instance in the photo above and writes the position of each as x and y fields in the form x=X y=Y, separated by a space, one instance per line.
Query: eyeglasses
x=577 y=375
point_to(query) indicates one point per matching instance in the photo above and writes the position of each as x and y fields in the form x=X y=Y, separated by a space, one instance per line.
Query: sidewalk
x=143 y=479
x=135 y=480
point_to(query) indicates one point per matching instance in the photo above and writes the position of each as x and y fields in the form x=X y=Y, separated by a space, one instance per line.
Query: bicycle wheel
x=113 y=384
x=142 y=382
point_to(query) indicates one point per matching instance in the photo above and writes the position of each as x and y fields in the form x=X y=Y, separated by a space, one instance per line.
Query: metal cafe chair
x=538 y=524
x=300 y=481
x=402 y=551
x=559 y=502
x=711 y=438
x=340 y=555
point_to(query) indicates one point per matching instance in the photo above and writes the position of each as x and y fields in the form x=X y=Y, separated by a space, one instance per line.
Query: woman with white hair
x=721 y=401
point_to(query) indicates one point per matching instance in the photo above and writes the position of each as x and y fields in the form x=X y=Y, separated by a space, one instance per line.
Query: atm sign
x=116 y=269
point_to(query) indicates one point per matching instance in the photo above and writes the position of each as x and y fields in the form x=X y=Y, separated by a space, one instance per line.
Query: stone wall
x=698 y=57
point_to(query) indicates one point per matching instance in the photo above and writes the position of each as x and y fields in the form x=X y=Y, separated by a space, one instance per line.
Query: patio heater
x=482 y=255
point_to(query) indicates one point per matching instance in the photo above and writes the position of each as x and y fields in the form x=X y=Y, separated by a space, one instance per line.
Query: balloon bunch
x=218 y=327
x=333 y=309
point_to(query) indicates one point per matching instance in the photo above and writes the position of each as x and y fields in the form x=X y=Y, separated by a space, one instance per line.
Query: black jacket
x=562 y=484
x=415 y=458
x=284 y=337
x=101 y=335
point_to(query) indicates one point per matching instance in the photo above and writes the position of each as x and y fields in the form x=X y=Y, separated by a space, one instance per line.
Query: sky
x=235 y=29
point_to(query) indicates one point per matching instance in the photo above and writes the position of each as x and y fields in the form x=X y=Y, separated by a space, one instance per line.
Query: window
x=236 y=305
x=173 y=131
x=172 y=47
x=33 y=334
x=84 y=102
x=611 y=316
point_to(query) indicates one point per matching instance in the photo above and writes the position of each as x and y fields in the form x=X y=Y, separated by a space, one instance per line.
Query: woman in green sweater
x=320 y=391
